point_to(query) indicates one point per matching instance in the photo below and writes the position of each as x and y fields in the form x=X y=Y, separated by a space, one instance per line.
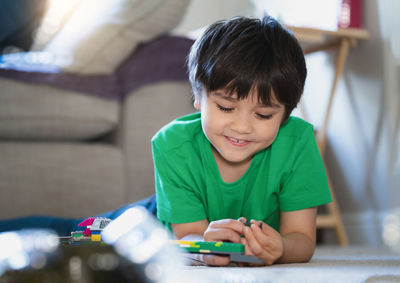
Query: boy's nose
x=241 y=125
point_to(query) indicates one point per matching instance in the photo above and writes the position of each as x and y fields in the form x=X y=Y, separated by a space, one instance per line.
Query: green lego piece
x=210 y=247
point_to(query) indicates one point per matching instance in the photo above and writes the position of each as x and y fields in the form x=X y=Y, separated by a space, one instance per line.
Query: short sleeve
x=177 y=200
x=305 y=184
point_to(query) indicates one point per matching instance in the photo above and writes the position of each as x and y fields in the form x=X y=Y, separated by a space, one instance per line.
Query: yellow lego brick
x=96 y=238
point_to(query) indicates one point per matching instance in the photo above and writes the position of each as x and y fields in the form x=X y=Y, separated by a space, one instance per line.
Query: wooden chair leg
x=333 y=218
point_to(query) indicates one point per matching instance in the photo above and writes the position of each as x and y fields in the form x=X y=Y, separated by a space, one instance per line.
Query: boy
x=242 y=157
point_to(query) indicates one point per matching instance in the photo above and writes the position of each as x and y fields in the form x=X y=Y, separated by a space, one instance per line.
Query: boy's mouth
x=237 y=141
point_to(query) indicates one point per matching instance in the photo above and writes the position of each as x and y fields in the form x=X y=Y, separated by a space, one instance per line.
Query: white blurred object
x=137 y=235
x=391 y=230
x=34 y=61
x=100 y=35
x=26 y=248
x=306 y=13
x=57 y=14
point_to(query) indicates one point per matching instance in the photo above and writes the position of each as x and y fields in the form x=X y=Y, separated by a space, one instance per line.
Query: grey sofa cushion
x=145 y=111
x=42 y=112
x=68 y=180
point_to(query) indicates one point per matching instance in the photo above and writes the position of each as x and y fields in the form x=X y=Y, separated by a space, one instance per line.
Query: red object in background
x=350 y=15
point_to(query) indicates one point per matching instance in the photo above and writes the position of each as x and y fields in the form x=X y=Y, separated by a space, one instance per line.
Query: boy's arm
x=192 y=231
x=298 y=230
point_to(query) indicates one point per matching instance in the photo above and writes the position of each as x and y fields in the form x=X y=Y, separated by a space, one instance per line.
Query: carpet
x=329 y=264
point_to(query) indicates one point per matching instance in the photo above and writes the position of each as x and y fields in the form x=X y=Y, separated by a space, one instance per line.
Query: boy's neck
x=230 y=171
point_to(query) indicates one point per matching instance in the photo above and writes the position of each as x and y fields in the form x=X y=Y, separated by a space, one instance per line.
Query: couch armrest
x=144 y=112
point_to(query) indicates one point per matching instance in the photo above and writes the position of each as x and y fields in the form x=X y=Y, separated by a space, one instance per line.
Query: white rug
x=329 y=264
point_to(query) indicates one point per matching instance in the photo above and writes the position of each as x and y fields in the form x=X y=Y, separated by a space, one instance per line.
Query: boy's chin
x=238 y=160
x=232 y=158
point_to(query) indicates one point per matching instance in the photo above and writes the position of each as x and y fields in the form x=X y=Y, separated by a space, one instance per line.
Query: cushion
x=42 y=112
x=140 y=123
x=99 y=35
x=161 y=59
x=60 y=179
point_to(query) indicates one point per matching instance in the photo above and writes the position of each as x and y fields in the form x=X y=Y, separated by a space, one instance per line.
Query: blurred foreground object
x=26 y=249
x=391 y=230
x=136 y=248
x=138 y=236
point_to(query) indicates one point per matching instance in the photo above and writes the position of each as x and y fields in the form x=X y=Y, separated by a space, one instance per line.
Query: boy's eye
x=224 y=109
x=264 y=117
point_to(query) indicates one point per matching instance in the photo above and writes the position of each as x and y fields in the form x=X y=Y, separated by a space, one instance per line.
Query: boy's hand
x=222 y=230
x=265 y=242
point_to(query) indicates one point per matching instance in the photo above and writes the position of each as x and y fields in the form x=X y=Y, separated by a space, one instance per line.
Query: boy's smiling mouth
x=237 y=142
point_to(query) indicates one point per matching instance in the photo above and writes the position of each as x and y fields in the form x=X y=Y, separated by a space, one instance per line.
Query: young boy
x=242 y=157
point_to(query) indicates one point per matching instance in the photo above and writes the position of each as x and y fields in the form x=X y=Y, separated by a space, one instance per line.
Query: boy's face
x=238 y=129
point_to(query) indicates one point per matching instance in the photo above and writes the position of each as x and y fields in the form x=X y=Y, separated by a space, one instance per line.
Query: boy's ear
x=196 y=102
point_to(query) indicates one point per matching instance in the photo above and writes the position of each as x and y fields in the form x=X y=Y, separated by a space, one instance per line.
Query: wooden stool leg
x=333 y=218
x=334 y=211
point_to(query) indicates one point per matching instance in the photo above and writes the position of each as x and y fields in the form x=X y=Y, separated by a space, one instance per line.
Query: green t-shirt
x=288 y=175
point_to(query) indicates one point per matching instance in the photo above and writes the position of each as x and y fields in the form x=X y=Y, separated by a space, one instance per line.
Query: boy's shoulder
x=295 y=136
x=178 y=131
x=295 y=128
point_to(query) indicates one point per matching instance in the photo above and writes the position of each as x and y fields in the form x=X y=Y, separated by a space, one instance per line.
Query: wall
x=390 y=30
x=201 y=13
x=356 y=156
x=363 y=154
x=364 y=132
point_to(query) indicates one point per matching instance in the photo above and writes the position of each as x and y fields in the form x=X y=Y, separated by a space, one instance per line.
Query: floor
x=329 y=264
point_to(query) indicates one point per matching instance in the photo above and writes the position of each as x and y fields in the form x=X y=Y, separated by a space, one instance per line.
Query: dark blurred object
x=88 y=263
x=19 y=20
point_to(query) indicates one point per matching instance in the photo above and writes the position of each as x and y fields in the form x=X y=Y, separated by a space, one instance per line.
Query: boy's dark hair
x=241 y=53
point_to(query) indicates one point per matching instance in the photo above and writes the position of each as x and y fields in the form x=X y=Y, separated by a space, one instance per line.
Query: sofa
x=75 y=135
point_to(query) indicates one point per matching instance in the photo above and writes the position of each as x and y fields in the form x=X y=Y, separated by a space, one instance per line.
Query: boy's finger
x=265 y=228
x=258 y=250
x=265 y=239
x=252 y=242
x=260 y=243
x=221 y=234
x=247 y=250
x=216 y=260
x=255 y=247
x=233 y=224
